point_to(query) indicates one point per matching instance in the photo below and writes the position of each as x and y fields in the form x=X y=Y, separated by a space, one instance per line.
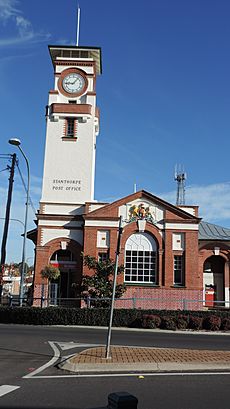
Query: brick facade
x=172 y=220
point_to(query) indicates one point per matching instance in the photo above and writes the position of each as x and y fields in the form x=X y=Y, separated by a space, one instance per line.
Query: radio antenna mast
x=78 y=24
x=180 y=176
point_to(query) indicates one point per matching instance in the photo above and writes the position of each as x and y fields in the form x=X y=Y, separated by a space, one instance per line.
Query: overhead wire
x=7 y=168
x=24 y=184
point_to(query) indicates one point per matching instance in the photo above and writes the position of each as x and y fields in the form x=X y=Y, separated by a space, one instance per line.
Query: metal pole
x=107 y=353
x=7 y=218
x=22 y=275
x=78 y=24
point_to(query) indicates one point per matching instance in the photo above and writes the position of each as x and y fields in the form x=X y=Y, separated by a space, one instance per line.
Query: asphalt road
x=24 y=349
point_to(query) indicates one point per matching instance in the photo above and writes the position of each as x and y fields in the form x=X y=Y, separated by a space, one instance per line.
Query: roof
x=111 y=209
x=209 y=231
x=83 y=52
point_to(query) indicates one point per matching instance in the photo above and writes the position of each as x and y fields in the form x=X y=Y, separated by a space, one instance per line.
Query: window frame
x=70 y=125
x=102 y=256
x=179 y=267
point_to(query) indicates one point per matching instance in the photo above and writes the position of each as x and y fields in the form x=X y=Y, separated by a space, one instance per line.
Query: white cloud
x=23 y=31
x=213 y=201
x=7 y=9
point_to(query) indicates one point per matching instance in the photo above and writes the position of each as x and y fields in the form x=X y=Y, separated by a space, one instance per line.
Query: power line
x=23 y=182
x=3 y=170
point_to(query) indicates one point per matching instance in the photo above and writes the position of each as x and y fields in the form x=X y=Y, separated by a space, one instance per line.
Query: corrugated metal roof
x=209 y=231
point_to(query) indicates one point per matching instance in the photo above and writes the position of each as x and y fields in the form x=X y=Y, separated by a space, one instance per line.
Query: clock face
x=73 y=83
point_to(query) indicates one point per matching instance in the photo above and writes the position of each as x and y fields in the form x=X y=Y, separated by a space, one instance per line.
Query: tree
x=100 y=284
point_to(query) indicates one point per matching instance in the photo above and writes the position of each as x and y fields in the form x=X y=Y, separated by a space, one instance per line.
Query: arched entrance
x=214 y=267
x=64 y=289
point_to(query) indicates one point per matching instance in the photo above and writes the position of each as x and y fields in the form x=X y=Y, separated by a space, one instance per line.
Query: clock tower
x=72 y=126
x=69 y=166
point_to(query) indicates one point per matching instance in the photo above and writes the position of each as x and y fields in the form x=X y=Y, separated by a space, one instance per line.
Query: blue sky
x=164 y=97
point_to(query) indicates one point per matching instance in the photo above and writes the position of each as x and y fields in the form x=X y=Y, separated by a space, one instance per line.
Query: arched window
x=63 y=255
x=141 y=259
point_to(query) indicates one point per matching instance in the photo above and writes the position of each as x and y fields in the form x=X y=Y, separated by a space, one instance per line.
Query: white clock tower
x=69 y=165
x=72 y=126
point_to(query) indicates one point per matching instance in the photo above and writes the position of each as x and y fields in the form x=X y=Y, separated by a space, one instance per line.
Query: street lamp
x=17 y=142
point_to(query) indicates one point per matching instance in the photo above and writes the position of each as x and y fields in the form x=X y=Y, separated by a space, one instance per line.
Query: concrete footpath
x=141 y=360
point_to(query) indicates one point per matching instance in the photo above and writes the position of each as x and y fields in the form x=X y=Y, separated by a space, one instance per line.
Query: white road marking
x=45 y=366
x=4 y=389
x=113 y=375
x=70 y=345
x=57 y=355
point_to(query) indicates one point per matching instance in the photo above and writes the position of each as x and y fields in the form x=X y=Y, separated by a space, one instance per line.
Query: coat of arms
x=140 y=212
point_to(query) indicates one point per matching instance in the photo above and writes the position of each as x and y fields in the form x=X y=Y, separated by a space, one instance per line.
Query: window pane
x=70 y=127
x=179 y=270
x=140 y=266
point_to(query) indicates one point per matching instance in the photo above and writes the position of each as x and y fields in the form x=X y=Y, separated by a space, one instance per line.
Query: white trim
x=180 y=226
x=59 y=223
x=101 y=223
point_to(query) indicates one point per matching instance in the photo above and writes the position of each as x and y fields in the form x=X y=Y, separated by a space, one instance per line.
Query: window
x=141 y=259
x=103 y=238
x=70 y=127
x=63 y=255
x=179 y=270
x=102 y=257
x=178 y=241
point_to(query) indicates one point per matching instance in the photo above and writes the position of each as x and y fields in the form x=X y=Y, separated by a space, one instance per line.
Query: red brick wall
x=161 y=298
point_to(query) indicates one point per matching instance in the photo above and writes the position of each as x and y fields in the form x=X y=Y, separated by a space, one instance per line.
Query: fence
x=126 y=303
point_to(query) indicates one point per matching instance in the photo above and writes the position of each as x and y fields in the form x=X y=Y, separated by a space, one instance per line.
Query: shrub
x=195 y=322
x=182 y=321
x=151 y=321
x=168 y=323
x=127 y=318
x=212 y=323
x=225 y=324
x=122 y=317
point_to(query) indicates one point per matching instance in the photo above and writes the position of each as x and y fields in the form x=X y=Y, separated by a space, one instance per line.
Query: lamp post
x=17 y=142
x=107 y=349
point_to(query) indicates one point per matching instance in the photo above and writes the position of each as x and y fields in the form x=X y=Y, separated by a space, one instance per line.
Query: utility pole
x=7 y=218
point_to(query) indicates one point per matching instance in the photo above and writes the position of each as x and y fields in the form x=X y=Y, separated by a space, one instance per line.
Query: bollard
x=10 y=300
x=122 y=400
x=42 y=300
x=88 y=301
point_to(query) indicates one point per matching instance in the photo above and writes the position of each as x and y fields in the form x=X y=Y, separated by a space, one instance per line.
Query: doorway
x=214 y=278
x=61 y=289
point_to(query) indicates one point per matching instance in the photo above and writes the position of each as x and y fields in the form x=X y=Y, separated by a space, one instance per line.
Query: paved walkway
x=125 y=359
